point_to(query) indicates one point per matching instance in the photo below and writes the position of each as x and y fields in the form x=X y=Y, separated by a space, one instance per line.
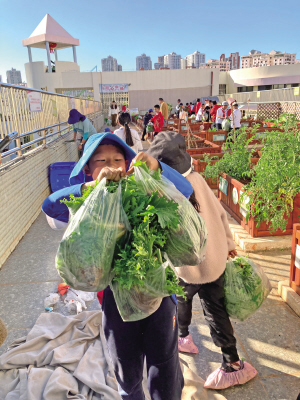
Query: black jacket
x=147 y=118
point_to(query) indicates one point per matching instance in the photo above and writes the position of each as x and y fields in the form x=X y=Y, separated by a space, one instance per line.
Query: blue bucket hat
x=93 y=142
x=75 y=116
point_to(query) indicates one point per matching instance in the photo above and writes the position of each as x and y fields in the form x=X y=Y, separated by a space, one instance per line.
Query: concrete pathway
x=269 y=339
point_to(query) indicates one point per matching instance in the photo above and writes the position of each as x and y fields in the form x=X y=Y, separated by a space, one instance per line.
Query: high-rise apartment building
x=234 y=60
x=257 y=59
x=109 y=64
x=144 y=62
x=13 y=76
x=120 y=67
x=217 y=64
x=172 y=61
x=195 y=60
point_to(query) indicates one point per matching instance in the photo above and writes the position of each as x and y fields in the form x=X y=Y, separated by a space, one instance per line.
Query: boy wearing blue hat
x=155 y=337
x=147 y=118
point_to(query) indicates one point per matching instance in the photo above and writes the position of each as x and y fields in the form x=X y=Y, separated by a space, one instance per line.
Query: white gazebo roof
x=49 y=30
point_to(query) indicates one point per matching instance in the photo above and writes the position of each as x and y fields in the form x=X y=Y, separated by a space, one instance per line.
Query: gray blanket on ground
x=61 y=358
x=66 y=358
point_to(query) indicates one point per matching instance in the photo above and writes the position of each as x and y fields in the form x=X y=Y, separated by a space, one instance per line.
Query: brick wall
x=23 y=188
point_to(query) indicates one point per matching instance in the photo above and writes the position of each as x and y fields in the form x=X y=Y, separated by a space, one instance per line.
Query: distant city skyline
x=165 y=35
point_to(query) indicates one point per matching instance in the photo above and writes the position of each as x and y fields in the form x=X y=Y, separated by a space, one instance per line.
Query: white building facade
x=195 y=60
x=172 y=61
x=109 y=64
x=144 y=62
x=257 y=59
x=14 y=77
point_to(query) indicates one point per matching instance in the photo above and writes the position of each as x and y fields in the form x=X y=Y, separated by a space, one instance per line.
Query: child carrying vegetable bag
x=153 y=337
x=206 y=279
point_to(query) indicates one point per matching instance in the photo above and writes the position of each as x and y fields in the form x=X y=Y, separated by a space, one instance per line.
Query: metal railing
x=15 y=113
x=46 y=134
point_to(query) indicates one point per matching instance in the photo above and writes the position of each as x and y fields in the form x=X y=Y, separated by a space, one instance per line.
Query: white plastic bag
x=226 y=125
x=86 y=251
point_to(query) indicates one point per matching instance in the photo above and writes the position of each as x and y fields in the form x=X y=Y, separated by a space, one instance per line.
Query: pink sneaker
x=222 y=378
x=186 y=345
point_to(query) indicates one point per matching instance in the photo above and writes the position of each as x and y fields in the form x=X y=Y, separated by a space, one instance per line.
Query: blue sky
x=127 y=28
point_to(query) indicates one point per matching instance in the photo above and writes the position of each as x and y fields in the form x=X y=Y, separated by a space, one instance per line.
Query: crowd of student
x=210 y=111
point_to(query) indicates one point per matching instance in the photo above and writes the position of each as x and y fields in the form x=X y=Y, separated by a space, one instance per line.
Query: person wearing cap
x=237 y=117
x=222 y=113
x=164 y=109
x=147 y=118
x=155 y=337
x=81 y=126
x=207 y=279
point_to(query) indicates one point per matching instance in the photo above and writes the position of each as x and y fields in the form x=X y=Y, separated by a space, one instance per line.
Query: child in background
x=147 y=118
x=130 y=136
x=81 y=125
x=206 y=279
x=155 y=337
x=158 y=120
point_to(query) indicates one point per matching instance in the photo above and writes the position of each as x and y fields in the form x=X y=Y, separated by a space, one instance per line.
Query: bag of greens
x=86 y=251
x=140 y=301
x=246 y=287
x=166 y=231
x=226 y=125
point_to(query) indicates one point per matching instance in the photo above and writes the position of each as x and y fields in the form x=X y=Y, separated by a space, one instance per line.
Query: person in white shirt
x=113 y=113
x=237 y=116
x=222 y=113
x=199 y=116
x=129 y=136
x=178 y=107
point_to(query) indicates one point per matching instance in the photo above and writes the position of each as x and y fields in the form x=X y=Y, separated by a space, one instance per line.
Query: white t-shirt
x=237 y=118
x=199 y=114
x=112 y=111
x=220 y=113
x=137 y=143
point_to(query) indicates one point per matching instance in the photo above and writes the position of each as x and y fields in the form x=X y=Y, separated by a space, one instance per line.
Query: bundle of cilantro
x=246 y=287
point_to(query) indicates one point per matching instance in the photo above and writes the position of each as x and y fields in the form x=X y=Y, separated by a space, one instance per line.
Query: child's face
x=156 y=110
x=106 y=155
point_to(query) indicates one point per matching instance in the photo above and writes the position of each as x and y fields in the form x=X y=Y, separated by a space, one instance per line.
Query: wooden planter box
x=257 y=137
x=217 y=137
x=200 y=165
x=250 y=122
x=207 y=125
x=213 y=149
x=238 y=213
x=295 y=260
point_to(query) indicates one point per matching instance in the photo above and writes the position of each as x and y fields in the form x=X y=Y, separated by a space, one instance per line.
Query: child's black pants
x=156 y=338
x=212 y=300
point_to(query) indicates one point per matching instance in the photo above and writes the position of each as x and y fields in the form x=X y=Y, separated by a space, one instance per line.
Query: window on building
x=295 y=84
x=222 y=89
x=279 y=86
x=265 y=87
x=245 y=89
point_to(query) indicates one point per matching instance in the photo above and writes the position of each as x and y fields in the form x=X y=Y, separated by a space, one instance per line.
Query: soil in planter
x=255 y=154
x=199 y=145
x=192 y=137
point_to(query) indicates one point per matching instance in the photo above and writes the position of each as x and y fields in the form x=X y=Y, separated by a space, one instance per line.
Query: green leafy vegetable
x=246 y=287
